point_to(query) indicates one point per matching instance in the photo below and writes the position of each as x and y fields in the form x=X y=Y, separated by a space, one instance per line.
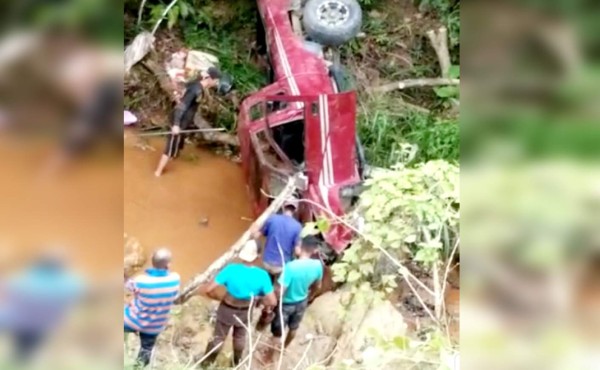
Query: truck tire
x=332 y=22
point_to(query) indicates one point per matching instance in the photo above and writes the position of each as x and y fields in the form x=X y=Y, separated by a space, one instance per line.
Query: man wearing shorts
x=183 y=117
x=299 y=280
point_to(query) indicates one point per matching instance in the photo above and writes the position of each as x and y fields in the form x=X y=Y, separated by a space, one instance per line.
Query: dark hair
x=289 y=207
x=310 y=243
x=214 y=73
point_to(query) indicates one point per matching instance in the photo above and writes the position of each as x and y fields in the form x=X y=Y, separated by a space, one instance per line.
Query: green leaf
x=411 y=238
x=401 y=342
x=446 y=91
x=366 y=268
x=454 y=71
x=353 y=276
x=184 y=9
x=323 y=225
x=172 y=16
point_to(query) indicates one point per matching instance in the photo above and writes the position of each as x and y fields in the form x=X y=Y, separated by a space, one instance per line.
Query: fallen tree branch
x=208 y=274
x=417 y=82
x=439 y=42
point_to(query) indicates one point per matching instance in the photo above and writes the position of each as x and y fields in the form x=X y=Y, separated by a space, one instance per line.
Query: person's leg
x=278 y=325
x=147 y=345
x=26 y=343
x=216 y=343
x=164 y=160
x=239 y=343
x=294 y=320
x=171 y=150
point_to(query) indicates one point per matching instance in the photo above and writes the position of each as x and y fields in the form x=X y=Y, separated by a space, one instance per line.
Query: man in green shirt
x=301 y=278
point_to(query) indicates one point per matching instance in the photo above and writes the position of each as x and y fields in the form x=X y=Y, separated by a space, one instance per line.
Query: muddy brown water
x=79 y=210
x=198 y=208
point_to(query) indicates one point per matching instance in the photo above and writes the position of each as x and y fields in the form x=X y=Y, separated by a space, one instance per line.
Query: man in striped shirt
x=154 y=293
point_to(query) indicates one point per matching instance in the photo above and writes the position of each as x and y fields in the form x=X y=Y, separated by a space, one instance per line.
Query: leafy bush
x=410 y=214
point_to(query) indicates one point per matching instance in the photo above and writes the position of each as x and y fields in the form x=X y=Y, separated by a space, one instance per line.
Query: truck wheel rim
x=333 y=13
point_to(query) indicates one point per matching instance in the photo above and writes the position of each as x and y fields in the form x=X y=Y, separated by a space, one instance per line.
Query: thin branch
x=139 y=20
x=280 y=308
x=303 y=355
x=206 y=355
x=164 y=14
x=445 y=281
x=415 y=82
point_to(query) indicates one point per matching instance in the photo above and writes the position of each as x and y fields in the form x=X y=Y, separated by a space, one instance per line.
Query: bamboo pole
x=188 y=290
x=163 y=133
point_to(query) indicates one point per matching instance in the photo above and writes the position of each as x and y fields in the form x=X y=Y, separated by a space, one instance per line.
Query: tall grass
x=384 y=127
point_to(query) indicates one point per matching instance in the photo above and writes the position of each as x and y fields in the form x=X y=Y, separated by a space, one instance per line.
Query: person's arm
x=316 y=286
x=269 y=299
x=190 y=96
x=263 y=230
x=208 y=290
x=131 y=286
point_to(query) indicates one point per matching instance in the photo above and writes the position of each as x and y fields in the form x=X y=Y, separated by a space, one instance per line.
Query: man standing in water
x=154 y=294
x=244 y=283
x=183 y=117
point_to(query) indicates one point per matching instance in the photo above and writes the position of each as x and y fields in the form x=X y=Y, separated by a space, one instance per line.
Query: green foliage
x=447 y=92
x=180 y=11
x=410 y=213
x=385 y=132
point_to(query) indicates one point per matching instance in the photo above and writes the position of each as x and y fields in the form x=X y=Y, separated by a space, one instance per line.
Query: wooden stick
x=189 y=289
x=417 y=82
x=182 y=131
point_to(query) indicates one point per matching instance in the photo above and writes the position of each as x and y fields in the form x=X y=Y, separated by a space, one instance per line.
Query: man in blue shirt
x=244 y=284
x=282 y=234
x=300 y=279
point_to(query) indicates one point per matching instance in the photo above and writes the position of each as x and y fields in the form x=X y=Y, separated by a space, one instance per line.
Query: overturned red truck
x=305 y=119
